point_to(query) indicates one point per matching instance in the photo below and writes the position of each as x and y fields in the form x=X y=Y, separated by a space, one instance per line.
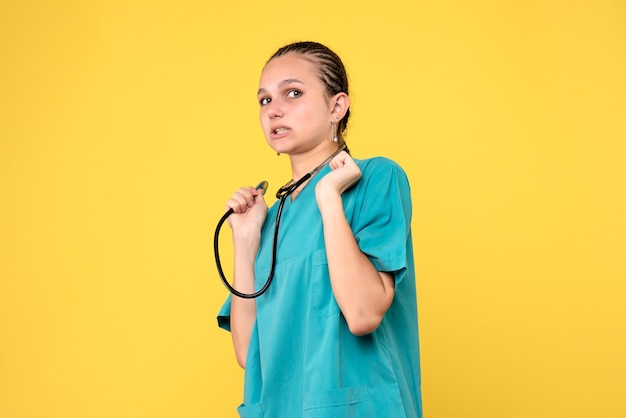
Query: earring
x=334 y=130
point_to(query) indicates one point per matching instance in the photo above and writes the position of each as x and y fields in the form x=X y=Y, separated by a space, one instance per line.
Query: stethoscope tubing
x=282 y=194
x=218 y=263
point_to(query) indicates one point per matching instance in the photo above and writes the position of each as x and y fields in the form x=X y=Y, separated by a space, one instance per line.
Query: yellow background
x=125 y=125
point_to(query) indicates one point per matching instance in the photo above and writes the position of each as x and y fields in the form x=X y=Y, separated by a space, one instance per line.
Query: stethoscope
x=281 y=194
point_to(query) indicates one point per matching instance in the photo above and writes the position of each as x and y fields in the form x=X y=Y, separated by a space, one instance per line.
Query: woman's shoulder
x=377 y=166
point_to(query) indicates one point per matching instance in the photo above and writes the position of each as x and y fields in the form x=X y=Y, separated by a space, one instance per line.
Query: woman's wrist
x=328 y=200
x=246 y=242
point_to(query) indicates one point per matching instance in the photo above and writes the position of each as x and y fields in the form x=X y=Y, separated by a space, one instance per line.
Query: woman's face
x=295 y=111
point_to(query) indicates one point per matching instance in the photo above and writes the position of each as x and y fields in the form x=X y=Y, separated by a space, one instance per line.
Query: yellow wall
x=124 y=126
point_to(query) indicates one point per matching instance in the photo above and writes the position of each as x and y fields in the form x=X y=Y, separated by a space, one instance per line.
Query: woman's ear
x=340 y=105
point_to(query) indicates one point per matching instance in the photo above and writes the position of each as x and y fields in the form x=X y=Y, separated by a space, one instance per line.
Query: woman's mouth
x=279 y=132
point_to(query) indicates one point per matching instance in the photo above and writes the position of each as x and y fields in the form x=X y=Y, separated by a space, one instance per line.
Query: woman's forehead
x=288 y=66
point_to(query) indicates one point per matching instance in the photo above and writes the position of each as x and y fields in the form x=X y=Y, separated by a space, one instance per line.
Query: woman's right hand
x=249 y=213
x=250 y=210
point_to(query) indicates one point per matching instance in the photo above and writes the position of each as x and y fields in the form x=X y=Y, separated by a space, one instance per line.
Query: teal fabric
x=303 y=361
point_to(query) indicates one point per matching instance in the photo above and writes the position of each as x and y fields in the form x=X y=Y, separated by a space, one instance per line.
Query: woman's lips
x=279 y=132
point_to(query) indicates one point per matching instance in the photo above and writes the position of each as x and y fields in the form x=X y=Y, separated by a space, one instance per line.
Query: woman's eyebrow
x=289 y=81
x=282 y=83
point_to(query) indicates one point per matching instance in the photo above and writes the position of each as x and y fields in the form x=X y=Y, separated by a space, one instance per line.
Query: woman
x=336 y=333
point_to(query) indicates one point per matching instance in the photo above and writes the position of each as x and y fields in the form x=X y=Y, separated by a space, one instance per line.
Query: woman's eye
x=264 y=101
x=294 y=93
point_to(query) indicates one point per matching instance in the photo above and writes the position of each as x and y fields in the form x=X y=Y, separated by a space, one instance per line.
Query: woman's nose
x=275 y=110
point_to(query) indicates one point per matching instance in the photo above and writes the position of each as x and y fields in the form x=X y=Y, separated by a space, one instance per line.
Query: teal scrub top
x=303 y=361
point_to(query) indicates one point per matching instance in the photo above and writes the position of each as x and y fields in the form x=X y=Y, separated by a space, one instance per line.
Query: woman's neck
x=303 y=163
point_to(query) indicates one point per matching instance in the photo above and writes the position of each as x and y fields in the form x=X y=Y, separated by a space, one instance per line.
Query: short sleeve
x=382 y=220
x=223 y=316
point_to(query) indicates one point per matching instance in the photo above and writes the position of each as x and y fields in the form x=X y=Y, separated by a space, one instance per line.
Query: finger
x=239 y=202
x=235 y=205
x=242 y=199
x=340 y=160
x=259 y=198
x=249 y=194
x=335 y=163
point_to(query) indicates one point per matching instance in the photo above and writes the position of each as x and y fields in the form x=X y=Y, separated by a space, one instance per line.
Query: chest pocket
x=323 y=299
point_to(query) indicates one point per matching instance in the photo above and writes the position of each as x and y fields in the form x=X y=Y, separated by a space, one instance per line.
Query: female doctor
x=336 y=333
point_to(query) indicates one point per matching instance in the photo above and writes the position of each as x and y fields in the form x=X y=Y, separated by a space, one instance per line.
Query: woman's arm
x=250 y=212
x=362 y=293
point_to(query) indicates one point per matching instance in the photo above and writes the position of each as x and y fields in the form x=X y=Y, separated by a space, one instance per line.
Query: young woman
x=336 y=334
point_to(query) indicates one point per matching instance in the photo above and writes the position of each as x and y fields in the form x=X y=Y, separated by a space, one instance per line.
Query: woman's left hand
x=345 y=173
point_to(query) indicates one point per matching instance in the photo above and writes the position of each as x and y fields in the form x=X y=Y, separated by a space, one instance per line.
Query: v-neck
x=310 y=184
